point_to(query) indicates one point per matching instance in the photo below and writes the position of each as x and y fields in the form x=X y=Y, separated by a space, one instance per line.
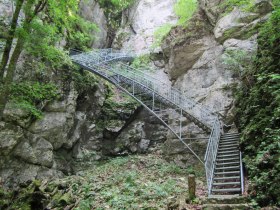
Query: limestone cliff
x=81 y=127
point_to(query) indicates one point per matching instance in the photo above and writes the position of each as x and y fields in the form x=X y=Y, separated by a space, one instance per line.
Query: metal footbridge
x=222 y=158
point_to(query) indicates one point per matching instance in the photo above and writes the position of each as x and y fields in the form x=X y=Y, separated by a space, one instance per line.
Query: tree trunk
x=7 y=81
x=4 y=95
x=10 y=38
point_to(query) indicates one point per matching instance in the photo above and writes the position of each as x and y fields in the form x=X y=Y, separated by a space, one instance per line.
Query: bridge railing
x=98 y=60
x=211 y=153
x=172 y=94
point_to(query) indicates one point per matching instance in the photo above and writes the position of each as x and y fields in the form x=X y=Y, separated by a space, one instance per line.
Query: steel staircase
x=157 y=97
x=228 y=168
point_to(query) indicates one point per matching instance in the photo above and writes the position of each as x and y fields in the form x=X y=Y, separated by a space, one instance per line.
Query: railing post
x=153 y=101
x=241 y=175
x=133 y=87
x=181 y=115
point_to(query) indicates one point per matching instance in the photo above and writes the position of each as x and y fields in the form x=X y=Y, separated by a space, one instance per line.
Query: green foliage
x=30 y=96
x=229 y=5
x=60 y=21
x=160 y=33
x=238 y=61
x=132 y=182
x=185 y=9
x=84 y=81
x=142 y=62
x=113 y=10
x=259 y=115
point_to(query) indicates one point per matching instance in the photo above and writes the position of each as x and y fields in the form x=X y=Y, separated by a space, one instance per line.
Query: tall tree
x=9 y=38
x=59 y=17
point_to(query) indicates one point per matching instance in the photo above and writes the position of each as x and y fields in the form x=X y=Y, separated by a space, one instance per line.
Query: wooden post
x=192 y=186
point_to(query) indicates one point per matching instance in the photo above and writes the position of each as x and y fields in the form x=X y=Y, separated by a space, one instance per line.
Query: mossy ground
x=132 y=182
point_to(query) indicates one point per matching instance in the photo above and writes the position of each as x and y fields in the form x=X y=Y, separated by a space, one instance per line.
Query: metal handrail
x=98 y=61
x=241 y=174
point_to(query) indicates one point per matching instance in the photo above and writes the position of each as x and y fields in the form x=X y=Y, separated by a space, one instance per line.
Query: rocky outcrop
x=87 y=126
x=240 y=24
x=195 y=56
x=91 y=11
x=140 y=23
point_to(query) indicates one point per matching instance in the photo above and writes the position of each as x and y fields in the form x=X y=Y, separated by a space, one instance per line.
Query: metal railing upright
x=98 y=61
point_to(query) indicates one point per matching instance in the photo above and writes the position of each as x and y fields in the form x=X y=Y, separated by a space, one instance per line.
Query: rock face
x=195 y=56
x=91 y=11
x=140 y=23
x=82 y=127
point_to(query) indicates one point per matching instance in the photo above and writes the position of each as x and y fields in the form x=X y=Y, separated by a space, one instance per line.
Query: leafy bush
x=113 y=10
x=160 y=34
x=31 y=95
x=185 y=9
x=142 y=62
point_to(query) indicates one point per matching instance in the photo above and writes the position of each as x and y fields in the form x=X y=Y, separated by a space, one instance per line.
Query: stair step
x=228 y=163
x=231 y=134
x=227 y=143
x=227 y=159
x=227 y=172
x=228 y=152
x=226 y=168
x=227 y=178
x=227 y=190
x=225 y=183
x=227 y=148
x=228 y=140
x=231 y=155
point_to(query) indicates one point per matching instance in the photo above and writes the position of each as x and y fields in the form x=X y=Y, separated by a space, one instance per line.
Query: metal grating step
x=225 y=183
x=231 y=155
x=228 y=152
x=228 y=163
x=227 y=172
x=226 y=178
x=227 y=143
x=227 y=168
x=227 y=159
x=227 y=190
x=231 y=134
x=227 y=148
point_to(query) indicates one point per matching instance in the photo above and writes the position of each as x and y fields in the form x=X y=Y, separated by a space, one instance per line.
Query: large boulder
x=10 y=136
x=54 y=127
x=242 y=24
x=35 y=150
x=184 y=56
x=17 y=115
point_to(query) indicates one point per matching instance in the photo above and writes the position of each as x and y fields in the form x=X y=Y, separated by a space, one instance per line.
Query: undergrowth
x=132 y=182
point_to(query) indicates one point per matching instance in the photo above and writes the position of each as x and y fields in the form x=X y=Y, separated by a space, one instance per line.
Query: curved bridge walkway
x=222 y=159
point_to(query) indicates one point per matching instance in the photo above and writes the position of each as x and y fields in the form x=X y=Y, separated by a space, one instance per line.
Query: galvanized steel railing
x=98 y=62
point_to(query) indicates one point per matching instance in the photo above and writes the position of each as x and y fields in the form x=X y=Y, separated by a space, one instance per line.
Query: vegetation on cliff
x=258 y=103
x=184 y=9
x=44 y=25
